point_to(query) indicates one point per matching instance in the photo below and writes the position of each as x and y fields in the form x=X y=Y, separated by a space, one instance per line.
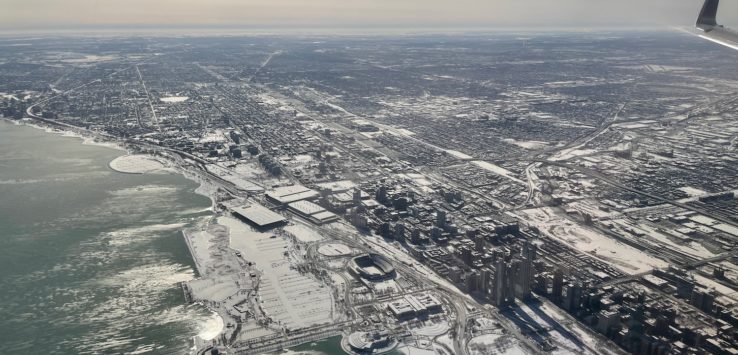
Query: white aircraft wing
x=711 y=30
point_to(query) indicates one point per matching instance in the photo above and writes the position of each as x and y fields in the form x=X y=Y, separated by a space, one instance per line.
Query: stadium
x=372 y=267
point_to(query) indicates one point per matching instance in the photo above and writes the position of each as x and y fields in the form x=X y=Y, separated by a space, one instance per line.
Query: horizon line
x=195 y=30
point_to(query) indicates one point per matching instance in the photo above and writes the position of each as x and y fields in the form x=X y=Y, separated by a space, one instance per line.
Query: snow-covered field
x=432 y=329
x=495 y=344
x=498 y=170
x=626 y=258
x=530 y=145
x=174 y=99
x=335 y=249
x=459 y=155
x=303 y=233
x=137 y=164
x=290 y=298
x=692 y=248
x=8 y=96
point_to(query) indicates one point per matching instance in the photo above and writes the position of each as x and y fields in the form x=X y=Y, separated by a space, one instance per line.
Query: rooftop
x=289 y=194
x=258 y=215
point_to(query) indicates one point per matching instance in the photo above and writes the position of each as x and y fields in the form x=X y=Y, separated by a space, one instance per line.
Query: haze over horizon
x=29 y=15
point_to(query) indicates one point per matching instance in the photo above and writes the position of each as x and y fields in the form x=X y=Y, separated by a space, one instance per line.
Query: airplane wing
x=711 y=30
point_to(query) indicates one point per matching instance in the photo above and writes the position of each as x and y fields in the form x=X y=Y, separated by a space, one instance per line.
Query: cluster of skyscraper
x=511 y=277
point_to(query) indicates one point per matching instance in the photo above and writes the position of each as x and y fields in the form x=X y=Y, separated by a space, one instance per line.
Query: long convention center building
x=288 y=194
x=312 y=212
x=259 y=216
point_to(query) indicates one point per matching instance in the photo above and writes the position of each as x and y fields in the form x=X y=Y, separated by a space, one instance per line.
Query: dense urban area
x=506 y=193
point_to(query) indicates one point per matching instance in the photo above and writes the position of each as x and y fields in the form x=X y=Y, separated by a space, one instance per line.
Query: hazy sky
x=45 y=14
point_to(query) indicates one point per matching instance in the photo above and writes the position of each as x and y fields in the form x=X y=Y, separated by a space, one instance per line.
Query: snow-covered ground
x=498 y=170
x=290 y=298
x=580 y=333
x=303 y=233
x=335 y=249
x=459 y=155
x=411 y=350
x=137 y=164
x=530 y=145
x=545 y=316
x=418 y=180
x=495 y=344
x=693 y=192
x=235 y=178
x=570 y=153
x=85 y=58
x=692 y=248
x=432 y=329
x=8 y=96
x=714 y=285
x=626 y=258
x=174 y=99
x=216 y=136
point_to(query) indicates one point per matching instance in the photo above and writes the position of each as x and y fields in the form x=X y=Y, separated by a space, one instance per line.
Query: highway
x=154 y=119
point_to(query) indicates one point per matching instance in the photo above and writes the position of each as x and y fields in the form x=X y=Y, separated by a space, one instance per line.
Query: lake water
x=91 y=259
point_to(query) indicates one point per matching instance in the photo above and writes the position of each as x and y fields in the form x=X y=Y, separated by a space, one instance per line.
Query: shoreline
x=204 y=189
x=86 y=140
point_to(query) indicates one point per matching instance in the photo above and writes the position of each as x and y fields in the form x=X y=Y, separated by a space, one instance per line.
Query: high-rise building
x=466 y=254
x=606 y=320
x=502 y=285
x=573 y=297
x=454 y=273
x=557 y=288
x=400 y=232
x=486 y=275
x=382 y=194
x=524 y=274
x=441 y=219
x=540 y=285
x=357 y=218
x=385 y=230
x=472 y=281
x=415 y=236
x=479 y=242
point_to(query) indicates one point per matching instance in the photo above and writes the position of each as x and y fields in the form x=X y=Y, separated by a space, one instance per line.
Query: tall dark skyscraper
x=558 y=285
x=524 y=274
x=503 y=285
